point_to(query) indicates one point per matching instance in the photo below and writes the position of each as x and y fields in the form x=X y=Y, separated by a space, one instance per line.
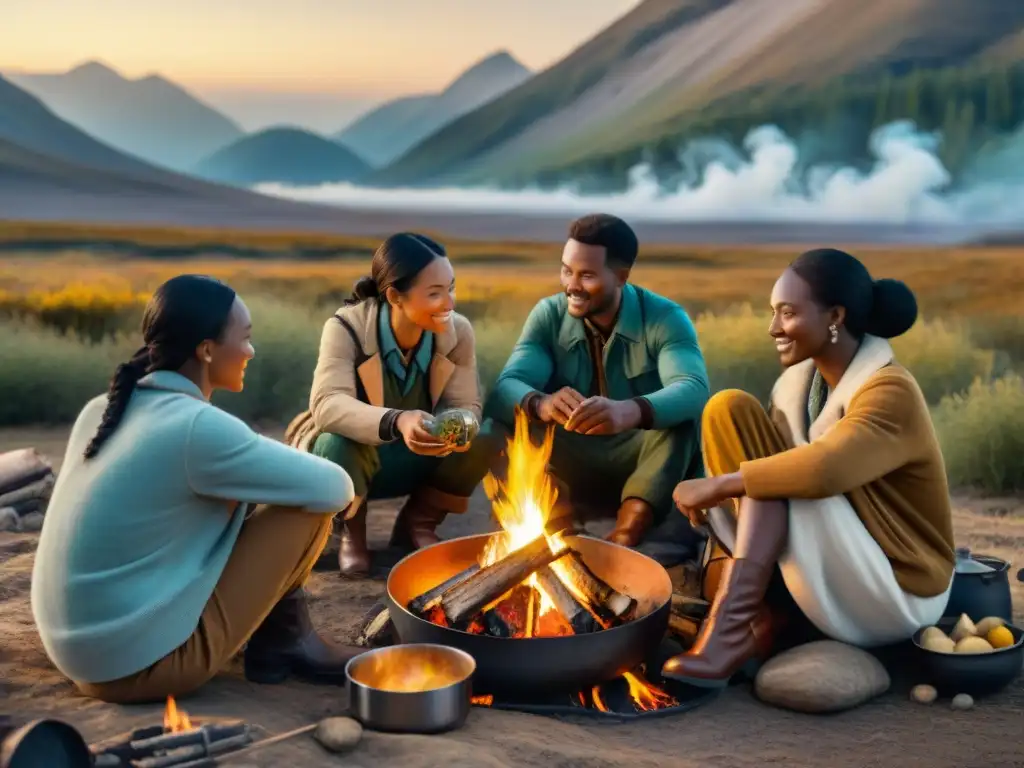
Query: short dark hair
x=885 y=308
x=611 y=233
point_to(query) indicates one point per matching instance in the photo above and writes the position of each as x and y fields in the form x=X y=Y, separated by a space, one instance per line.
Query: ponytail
x=365 y=288
x=122 y=385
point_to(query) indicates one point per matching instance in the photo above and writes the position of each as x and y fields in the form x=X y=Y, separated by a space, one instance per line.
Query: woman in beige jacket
x=393 y=355
x=841 y=488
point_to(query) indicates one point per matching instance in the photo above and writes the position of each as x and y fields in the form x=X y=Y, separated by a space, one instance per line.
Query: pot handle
x=988 y=578
x=1020 y=575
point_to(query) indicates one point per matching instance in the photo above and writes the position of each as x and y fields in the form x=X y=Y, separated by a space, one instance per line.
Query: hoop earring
x=834 y=331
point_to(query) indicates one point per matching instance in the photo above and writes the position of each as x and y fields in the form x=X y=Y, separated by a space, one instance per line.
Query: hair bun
x=894 y=309
x=365 y=288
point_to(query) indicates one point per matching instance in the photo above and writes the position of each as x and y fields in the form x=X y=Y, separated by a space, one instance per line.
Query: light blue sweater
x=135 y=539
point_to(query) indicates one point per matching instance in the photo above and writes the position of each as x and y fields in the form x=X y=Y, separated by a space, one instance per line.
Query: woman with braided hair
x=175 y=534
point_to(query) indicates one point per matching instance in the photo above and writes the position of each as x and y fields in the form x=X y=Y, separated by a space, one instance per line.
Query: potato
x=937 y=641
x=962 y=701
x=964 y=628
x=973 y=644
x=924 y=694
x=989 y=623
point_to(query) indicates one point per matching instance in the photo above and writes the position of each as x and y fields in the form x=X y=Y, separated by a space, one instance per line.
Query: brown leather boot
x=353 y=554
x=423 y=511
x=738 y=629
x=633 y=521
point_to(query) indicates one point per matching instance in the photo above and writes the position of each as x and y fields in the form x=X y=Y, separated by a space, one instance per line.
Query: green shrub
x=46 y=376
x=738 y=351
x=943 y=358
x=286 y=338
x=982 y=435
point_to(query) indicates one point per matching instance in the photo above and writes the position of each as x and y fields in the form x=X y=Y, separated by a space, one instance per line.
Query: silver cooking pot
x=415 y=688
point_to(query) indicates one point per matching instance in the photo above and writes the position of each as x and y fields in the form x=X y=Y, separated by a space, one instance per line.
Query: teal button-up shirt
x=406 y=374
x=652 y=352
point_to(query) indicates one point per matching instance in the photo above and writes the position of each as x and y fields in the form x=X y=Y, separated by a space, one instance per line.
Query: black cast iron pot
x=516 y=666
x=980 y=595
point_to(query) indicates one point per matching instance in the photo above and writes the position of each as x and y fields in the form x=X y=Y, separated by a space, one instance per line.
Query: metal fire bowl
x=516 y=666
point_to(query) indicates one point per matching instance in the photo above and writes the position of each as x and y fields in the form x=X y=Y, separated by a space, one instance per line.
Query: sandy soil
x=735 y=730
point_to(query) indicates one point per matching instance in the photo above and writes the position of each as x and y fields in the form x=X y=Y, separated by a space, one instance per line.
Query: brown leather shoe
x=633 y=521
x=736 y=632
x=353 y=554
x=416 y=526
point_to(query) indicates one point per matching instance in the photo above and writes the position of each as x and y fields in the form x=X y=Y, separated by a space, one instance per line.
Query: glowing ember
x=176 y=720
x=482 y=701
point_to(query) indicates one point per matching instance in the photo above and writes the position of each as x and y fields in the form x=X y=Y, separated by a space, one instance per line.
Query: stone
x=924 y=694
x=823 y=676
x=962 y=701
x=338 y=734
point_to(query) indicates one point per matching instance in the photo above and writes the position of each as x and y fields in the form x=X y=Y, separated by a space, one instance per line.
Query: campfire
x=180 y=743
x=529 y=581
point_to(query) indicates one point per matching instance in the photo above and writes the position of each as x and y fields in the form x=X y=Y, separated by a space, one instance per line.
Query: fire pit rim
x=448 y=649
x=488 y=638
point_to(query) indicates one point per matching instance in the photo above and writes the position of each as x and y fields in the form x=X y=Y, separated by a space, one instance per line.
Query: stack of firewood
x=26 y=482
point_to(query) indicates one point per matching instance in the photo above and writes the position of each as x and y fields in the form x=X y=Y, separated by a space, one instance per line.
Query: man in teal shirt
x=618 y=369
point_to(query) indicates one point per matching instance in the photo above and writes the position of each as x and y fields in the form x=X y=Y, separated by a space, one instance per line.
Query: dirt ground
x=734 y=730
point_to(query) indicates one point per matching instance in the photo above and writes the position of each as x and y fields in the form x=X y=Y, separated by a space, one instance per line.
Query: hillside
x=653 y=76
x=284 y=155
x=150 y=117
x=391 y=129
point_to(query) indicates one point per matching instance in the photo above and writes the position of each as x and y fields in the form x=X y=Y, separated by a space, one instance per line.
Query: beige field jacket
x=334 y=401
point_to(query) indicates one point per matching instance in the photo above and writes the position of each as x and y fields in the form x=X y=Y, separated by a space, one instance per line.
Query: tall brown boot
x=353 y=554
x=632 y=523
x=738 y=629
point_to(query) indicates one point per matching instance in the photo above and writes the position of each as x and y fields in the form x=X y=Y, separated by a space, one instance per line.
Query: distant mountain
x=284 y=155
x=150 y=117
x=391 y=129
x=670 y=70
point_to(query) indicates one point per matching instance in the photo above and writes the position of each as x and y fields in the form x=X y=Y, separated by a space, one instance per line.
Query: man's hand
x=558 y=407
x=601 y=416
x=414 y=432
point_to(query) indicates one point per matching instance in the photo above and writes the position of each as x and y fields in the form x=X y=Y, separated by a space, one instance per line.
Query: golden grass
x=949 y=282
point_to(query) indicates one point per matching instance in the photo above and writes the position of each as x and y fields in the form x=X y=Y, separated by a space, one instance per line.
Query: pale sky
x=314 y=58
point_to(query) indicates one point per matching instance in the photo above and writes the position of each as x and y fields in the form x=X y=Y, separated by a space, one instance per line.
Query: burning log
x=464 y=600
x=420 y=605
x=511 y=616
x=572 y=610
x=611 y=606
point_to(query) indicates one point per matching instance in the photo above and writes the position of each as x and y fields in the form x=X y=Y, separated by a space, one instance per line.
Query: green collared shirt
x=418 y=365
x=651 y=354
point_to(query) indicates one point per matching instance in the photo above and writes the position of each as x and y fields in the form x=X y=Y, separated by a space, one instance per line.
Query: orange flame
x=646 y=696
x=176 y=720
x=484 y=700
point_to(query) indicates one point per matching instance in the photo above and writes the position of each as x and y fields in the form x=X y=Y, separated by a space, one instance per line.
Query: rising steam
x=907 y=183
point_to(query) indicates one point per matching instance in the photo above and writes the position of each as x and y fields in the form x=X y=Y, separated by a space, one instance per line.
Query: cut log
x=420 y=605
x=572 y=610
x=22 y=467
x=377 y=630
x=464 y=600
x=610 y=606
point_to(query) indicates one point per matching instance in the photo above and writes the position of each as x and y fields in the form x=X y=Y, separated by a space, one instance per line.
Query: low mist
x=905 y=183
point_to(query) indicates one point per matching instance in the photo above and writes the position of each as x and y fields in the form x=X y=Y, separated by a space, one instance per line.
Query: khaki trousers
x=274 y=554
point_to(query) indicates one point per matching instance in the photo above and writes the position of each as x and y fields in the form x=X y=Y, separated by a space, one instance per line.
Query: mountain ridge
x=389 y=130
x=150 y=117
